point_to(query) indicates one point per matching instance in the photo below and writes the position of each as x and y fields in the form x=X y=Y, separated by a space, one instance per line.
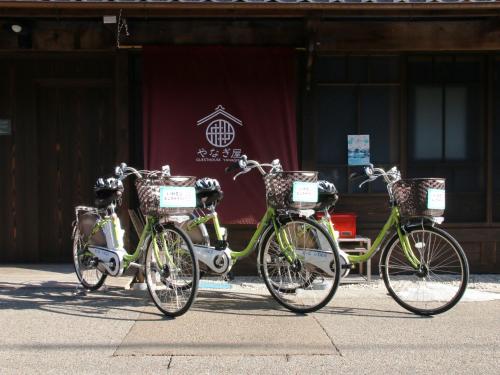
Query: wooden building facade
x=423 y=79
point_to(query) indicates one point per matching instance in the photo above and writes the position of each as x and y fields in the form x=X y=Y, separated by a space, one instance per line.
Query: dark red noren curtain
x=206 y=106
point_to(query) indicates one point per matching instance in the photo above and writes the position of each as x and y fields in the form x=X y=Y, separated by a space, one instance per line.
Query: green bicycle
x=170 y=265
x=297 y=258
x=424 y=268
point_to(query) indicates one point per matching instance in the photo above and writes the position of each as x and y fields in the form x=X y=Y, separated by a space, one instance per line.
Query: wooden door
x=63 y=111
x=76 y=144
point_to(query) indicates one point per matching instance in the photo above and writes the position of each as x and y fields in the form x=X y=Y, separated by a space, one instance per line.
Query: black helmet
x=326 y=187
x=110 y=183
x=207 y=184
x=327 y=195
x=208 y=192
x=107 y=191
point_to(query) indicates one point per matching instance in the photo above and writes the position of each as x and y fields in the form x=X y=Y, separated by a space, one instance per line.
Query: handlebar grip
x=232 y=167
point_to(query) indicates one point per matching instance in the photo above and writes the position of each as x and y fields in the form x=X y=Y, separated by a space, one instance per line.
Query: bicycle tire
x=441 y=279
x=172 y=288
x=305 y=281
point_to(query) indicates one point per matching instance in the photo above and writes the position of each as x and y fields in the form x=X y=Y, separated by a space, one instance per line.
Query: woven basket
x=279 y=189
x=411 y=196
x=148 y=190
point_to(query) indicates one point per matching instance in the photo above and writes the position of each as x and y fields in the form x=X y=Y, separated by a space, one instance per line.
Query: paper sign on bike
x=436 y=199
x=305 y=191
x=177 y=196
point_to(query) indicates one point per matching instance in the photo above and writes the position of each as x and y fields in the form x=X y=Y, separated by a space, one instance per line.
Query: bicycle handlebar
x=247 y=165
x=123 y=171
x=390 y=176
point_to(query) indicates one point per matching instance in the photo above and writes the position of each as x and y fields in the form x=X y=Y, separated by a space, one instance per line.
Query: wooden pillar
x=489 y=109
x=122 y=131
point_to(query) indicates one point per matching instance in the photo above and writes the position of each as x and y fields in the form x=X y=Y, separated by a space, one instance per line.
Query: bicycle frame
x=392 y=221
x=146 y=232
x=268 y=219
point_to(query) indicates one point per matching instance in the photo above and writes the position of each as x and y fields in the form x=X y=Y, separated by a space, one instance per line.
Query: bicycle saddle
x=208 y=192
x=107 y=191
x=327 y=195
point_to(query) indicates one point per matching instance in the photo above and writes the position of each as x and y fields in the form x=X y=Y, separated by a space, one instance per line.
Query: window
x=443 y=132
x=356 y=95
x=446 y=130
x=439 y=123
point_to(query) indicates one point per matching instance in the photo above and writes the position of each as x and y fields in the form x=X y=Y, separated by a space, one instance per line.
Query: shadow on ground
x=119 y=304
x=67 y=299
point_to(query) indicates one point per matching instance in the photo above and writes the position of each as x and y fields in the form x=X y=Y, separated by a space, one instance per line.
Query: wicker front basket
x=411 y=196
x=148 y=190
x=279 y=189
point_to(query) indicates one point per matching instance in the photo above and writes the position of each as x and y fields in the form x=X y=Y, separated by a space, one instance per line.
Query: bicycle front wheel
x=172 y=272
x=308 y=282
x=437 y=281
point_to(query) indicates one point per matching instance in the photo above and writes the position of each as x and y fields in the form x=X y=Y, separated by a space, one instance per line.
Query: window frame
x=486 y=120
x=395 y=131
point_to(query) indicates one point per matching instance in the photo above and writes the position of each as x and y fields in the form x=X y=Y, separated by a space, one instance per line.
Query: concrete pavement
x=45 y=327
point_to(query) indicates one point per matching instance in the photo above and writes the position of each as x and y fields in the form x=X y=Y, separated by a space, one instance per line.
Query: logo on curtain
x=220 y=133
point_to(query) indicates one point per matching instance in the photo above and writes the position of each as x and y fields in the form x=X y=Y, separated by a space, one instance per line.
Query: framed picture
x=358 y=149
x=5 y=128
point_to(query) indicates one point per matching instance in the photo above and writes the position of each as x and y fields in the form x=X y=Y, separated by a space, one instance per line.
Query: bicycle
x=170 y=266
x=423 y=267
x=297 y=258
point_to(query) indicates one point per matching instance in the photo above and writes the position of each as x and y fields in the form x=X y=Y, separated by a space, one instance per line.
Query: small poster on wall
x=5 y=128
x=358 y=149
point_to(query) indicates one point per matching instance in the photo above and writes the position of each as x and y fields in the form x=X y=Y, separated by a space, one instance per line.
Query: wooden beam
x=373 y=36
x=210 y=9
x=343 y=36
x=228 y=32
x=86 y=34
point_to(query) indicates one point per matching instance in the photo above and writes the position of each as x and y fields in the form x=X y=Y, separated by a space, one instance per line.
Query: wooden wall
x=69 y=110
x=64 y=110
x=409 y=35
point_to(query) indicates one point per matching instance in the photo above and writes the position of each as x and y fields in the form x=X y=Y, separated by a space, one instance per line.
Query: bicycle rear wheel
x=172 y=272
x=87 y=272
x=441 y=278
x=308 y=283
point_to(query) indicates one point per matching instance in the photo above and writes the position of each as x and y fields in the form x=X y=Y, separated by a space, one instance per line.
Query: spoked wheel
x=85 y=267
x=308 y=282
x=438 y=281
x=172 y=272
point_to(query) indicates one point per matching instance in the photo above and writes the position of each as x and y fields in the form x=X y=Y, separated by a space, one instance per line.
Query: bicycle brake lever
x=370 y=179
x=364 y=182
x=246 y=170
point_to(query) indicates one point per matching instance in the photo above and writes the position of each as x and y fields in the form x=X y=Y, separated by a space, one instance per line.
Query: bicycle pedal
x=347 y=266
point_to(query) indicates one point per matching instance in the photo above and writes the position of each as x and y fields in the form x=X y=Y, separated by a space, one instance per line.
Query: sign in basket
x=177 y=196
x=436 y=199
x=305 y=191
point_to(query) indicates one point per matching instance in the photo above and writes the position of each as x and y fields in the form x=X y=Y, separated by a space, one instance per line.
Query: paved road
x=47 y=328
